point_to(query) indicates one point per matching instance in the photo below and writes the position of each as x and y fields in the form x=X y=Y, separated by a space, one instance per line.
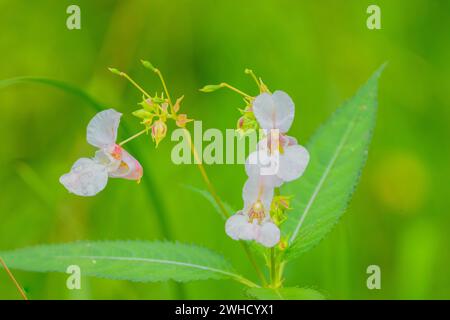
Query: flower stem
x=252 y=260
x=164 y=86
x=132 y=137
x=126 y=76
x=252 y=74
x=11 y=276
x=273 y=272
x=163 y=82
x=226 y=85
x=205 y=177
x=246 y=282
x=219 y=202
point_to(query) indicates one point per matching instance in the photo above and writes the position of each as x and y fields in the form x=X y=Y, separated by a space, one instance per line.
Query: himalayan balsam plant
x=292 y=198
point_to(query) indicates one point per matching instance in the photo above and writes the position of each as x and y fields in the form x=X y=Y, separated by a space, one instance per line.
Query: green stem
x=164 y=86
x=205 y=177
x=226 y=85
x=126 y=76
x=133 y=137
x=219 y=202
x=252 y=74
x=246 y=282
x=273 y=276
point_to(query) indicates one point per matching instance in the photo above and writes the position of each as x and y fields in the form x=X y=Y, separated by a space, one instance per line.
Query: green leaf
x=338 y=151
x=56 y=84
x=125 y=260
x=292 y=293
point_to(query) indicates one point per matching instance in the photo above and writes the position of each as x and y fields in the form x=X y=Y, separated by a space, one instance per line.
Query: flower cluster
x=278 y=159
x=89 y=176
x=154 y=113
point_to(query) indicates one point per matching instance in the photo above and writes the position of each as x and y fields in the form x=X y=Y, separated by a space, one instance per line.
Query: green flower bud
x=148 y=65
x=115 y=71
x=142 y=114
x=211 y=88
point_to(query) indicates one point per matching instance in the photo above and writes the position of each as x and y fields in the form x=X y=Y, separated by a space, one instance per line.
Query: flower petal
x=249 y=231
x=285 y=111
x=274 y=111
x=260 y=164
x=254 y=190
x=234 y=225
x=102 y=129
x=264 y=110
x=86 y=178
x=129 y=168
x=268 y=235
x=105 y=158
x=293 y=162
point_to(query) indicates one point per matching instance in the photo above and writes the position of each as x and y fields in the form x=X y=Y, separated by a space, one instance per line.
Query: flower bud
x=246 y=123
x=240 y=123
x=148 y=65
x=182 y=119
x=176 y=106
x=115 y=71
x=142 y=114
x=159 y=131
x=165 y=107
x=148 y=104
x=283 y=244
x=211 y=88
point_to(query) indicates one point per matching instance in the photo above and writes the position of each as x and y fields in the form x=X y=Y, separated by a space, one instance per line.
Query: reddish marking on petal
x=117 y=152
x=139 y=170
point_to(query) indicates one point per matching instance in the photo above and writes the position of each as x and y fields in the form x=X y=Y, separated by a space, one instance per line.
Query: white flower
x=278 y=157
x=90 y=176
x=253 y=222
x=274 y=111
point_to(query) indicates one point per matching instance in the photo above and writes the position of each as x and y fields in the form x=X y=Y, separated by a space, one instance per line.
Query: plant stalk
x=11 y=276
x=226 y=85
x=133 y=137
x=205 y=177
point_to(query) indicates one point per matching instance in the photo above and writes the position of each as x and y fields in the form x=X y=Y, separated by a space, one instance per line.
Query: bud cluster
x=154 y=111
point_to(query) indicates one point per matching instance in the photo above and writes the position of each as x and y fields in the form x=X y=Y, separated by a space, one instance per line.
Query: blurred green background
x=319 y=52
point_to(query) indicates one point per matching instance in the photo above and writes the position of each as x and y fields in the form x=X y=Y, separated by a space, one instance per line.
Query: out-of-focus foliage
x=318 y=53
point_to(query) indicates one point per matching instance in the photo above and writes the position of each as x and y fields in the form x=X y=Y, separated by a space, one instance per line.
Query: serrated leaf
x=125 y=260
x=287 y=293
x=338 y=151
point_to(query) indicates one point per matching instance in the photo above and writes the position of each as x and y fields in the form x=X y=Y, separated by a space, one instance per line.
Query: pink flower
x=89 y=176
